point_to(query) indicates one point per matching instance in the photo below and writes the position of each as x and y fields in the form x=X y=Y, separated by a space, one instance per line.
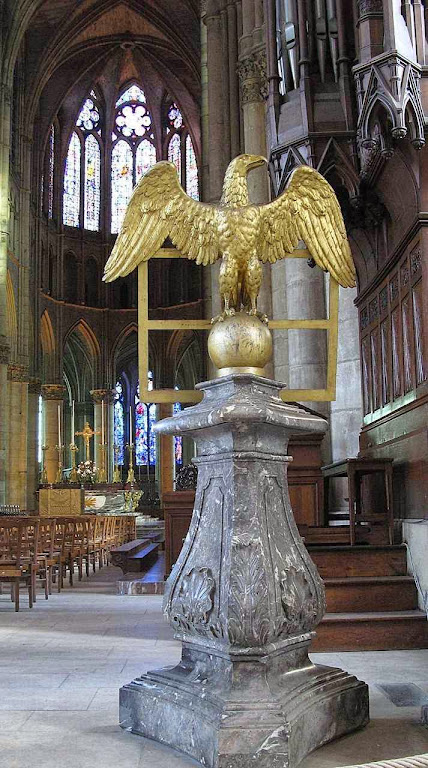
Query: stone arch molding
x=389 y=89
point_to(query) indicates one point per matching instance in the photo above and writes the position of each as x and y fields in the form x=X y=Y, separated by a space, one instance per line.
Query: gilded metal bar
x=192 y=396
x=302 y=395
x=143 y=316
x=170 y=395
x=322 y=325
x=333 y=311
x=177 y=325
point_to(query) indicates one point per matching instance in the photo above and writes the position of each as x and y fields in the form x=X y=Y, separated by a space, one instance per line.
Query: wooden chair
x=18 y=556
x=48 y=558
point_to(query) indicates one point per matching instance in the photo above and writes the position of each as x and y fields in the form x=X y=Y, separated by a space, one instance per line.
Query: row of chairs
x=45 y=550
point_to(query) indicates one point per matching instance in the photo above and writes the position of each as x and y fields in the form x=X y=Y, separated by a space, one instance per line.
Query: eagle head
x=235 y=192
x=242 y=164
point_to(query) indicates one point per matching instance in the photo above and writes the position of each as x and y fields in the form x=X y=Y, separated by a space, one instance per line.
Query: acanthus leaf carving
x=300 y=601
x=249 y=623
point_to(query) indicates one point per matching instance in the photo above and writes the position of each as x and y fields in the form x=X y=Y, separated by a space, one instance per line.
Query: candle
x=130 y=425
x=72 y=423
x=59 y=424
x=102 y=422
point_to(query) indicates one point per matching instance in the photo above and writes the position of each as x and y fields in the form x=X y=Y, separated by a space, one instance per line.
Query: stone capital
x=34 y=386
x=17 y=372
x=100 y=395
x=53 y=391
x=253 y=77
x=370 y=8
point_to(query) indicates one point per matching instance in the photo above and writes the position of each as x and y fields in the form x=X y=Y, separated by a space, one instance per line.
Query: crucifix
x=87 y=433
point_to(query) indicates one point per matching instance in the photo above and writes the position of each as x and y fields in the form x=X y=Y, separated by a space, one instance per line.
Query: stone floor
x=63 y=662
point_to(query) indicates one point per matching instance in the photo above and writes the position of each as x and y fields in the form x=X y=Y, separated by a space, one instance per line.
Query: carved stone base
x=244 y=597
x=234 y=714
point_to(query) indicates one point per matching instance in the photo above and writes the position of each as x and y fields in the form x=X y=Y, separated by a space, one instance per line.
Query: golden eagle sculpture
x=243 y=235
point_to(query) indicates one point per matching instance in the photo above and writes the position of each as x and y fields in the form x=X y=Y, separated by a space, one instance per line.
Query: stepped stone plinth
x=244 y=598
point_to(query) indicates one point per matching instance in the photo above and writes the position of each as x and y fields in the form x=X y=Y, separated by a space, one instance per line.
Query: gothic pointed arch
x=81 y=358
x=48 y=347
x=178 y=146
x=81 y=202
x=84 y=330
x=133 y=147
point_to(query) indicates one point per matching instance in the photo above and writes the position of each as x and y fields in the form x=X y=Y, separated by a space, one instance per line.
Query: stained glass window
x=175 y=117
x=192 y=185
x=145 y=158
x=133 y=121
x=119 y=437
x=133 y=150
x=141 y=452
x=82 y=177
x=133 y=93
x=92 y=183
x=71 y=199
x=51 y=170
x=174 y=152
x=178 y=440
x=152 y=434
x=89 y=116
x=121 y=182
x=181 y=150
x=145 y=437
x=40 y=432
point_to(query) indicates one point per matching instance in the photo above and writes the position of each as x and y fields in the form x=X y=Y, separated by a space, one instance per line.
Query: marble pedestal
x=244 y=598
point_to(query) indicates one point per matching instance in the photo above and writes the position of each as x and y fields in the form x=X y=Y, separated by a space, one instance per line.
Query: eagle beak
x=257 y=161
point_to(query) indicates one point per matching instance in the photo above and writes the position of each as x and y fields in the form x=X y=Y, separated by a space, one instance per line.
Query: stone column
x=215 y=147
x=100 y=396
x=110 y=432
x=5 y=106
x=244 y=598
x=4 y=416
x=33 y=469
x=18 y=425
x=53 y=396
x=252 y=75
x=370 y=29
x=307 y=350
x=346 y=412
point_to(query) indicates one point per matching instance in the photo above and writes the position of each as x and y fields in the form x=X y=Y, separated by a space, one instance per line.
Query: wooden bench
x=135 y=556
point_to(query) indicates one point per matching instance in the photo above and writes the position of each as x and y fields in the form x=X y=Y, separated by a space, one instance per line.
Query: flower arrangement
x=87 y=471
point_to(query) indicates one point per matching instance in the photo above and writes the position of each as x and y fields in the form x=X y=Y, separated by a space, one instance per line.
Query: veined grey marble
x=244 y=598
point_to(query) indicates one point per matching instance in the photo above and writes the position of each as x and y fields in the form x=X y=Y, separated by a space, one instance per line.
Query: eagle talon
x=261 y=315
x=222 y=317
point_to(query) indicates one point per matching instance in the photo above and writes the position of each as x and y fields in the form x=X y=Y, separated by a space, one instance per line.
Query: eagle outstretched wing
x=160 y=208
x=307 y=210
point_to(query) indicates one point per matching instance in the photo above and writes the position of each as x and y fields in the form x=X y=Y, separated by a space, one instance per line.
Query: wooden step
x=338 y=535
x=371 y=593
x=343 y=561
x=383 y=631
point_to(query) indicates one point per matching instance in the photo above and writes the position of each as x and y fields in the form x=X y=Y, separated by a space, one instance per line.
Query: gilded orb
x=241 y=343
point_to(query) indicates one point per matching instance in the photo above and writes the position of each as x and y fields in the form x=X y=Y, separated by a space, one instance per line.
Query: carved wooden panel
x=392 y=336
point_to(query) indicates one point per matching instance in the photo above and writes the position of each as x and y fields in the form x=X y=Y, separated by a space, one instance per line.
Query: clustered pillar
x=53 y=403
x=17 y=389
x=103 y=426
